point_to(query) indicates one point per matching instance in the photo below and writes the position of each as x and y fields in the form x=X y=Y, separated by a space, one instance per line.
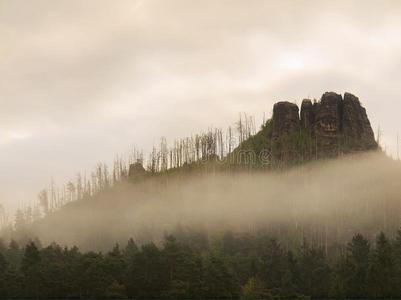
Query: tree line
x=191 y=265
x=213 y=144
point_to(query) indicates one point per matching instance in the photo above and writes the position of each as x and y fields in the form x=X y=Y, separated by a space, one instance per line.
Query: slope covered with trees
x=191 y=265
x=330 y=128
x=146 y=196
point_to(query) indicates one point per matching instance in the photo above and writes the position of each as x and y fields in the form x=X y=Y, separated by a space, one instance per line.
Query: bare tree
x=213 y=144
x=44 y=201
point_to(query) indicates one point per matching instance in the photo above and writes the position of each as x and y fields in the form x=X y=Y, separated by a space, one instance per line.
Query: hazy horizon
x=86 y=80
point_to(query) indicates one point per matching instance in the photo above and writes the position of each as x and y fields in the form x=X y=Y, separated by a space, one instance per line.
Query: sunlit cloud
x=292 y=62
x=14 y=135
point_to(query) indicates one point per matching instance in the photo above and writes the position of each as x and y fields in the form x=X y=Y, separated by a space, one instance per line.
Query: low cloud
x=86 y=74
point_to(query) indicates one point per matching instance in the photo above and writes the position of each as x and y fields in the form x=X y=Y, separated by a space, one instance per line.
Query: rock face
x=307 y=114
x=136 y=170
x=328 y=128
x=358 y=133
x=285 y=119
x=286 y=126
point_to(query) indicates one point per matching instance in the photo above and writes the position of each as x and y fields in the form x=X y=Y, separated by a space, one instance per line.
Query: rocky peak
x=334 y=125
x=285 y=119
x=307 y=114
x=328 y=123
x=357 y=131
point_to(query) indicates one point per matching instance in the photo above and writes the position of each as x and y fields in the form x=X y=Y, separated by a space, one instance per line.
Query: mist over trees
x=282 y=142
x=237 y=230
x=209 y=146
x=325 y=202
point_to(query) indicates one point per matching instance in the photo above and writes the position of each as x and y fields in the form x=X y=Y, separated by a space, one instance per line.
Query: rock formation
x=328 y=121
x=328 y=128
x=286 y=125
x=136 y=170
x=358 y=133
x=285 y=119
x=307 y=114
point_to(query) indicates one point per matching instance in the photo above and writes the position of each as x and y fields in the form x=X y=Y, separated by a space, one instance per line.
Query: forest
x=263 y=218
x=232 y=149
x=193 y=265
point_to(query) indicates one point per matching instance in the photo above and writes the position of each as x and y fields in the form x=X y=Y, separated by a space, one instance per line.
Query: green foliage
x=147 y=274
x=248 y=153
x=382 y=269
x=14 y=254
x=218 y=281
x=255 y=289
x=30 y=268
x=130 y=250
x=356 y=267
x=259 y=141
x=316 y=273
x=233 y=266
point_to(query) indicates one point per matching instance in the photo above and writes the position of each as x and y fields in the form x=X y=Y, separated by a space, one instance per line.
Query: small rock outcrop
x=330 y=127
x=136 y=170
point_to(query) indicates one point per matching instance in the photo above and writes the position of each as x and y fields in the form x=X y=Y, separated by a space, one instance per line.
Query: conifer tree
x=382 y=269
x=357 y=265
x=30 y=267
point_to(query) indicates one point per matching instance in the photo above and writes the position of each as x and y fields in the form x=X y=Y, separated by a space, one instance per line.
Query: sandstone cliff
x=333 y=126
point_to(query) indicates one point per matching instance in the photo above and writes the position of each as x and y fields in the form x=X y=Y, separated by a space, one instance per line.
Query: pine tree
x=357 y=265
x=316 y=273
x=273 y=263
x=183 y=268
x=382 y=270
x=3 y=271
x=13 y=254
x=147 y=274
x=130 y=250
x=114 y=265
x=397 y=256
x=255 y=289
x=30 y=267
x=218 y=281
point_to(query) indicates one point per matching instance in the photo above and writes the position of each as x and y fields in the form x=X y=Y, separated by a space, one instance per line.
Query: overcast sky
x=84 y=80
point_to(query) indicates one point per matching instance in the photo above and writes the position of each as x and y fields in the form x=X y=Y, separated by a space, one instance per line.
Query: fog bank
x=320 y=200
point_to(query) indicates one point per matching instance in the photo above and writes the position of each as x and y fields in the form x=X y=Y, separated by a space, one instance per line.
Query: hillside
x=221 y=193
x=331 y=199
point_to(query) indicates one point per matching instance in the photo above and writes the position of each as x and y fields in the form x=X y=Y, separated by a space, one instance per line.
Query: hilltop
x=197 y=184
x=332 y=127
x=329 y=128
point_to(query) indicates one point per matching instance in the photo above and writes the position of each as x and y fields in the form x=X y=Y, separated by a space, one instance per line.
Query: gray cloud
x=83 y=80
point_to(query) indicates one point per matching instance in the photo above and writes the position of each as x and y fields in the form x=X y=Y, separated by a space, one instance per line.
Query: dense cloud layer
x=83 y=80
